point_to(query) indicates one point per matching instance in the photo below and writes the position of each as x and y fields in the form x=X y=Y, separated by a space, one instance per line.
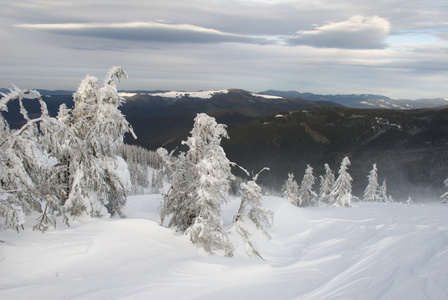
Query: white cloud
x=146 y=32
x=358 y=32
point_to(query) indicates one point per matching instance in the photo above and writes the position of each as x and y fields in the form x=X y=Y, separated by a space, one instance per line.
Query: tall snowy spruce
x=291 y=190
x=307 y=197
x=372 y=189
x=97 y=178
x=200 y=184
x=251 y=211
x=341 y=193
x=326 y=183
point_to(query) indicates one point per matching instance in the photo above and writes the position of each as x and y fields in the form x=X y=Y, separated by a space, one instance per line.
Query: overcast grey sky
x=398 y=48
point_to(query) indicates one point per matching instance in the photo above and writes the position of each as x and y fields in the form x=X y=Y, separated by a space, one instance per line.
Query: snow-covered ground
x=369 y=251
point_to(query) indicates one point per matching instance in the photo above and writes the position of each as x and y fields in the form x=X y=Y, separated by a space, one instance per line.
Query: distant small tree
x=307 y=196
x=291 y=190
x=341 y=192
x=371 y=191
x=409 y=201
x=445 y=195
x=326 y=183
x=382 y=192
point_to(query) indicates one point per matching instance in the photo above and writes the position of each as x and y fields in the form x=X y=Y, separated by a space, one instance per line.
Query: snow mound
x=369 y=251
x=199 y=94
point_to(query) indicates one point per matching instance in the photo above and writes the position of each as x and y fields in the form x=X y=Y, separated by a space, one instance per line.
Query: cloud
x=146 y=32
x=358 y=32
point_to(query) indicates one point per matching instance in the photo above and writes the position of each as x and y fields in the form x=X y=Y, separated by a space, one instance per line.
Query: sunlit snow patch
x=266 y=96
x=124 y=94
x=199 y=94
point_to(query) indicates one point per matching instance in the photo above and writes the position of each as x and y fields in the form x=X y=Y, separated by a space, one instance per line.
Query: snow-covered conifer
x=29 y=178
x=157 y=181
x=371 y=191
x=326 y=183
x=445 y=195
x=382 y=192
x=291 y=190
x=341 y=192
x=251 y=210
x=200 y=184
x=409 y=201
x=307 y=196
x=98 y=178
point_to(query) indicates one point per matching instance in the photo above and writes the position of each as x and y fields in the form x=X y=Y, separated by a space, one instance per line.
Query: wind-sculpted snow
x=368 y=251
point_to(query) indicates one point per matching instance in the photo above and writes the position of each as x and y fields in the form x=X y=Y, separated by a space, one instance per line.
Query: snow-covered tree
x=445 y=195
x=382 y=192
x=326 y=183
x=251 y=211
x=200 y=184
x=291 y=190
x=341 y=192
x=29 y=177
x=97 y=177
x=66 y=164
x=178 y=202
x=157 y=181
x=372 y=189
x=409 y=201
x=307 y=196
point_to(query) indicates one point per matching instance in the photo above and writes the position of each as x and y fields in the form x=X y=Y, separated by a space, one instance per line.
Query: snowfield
x=369 y=251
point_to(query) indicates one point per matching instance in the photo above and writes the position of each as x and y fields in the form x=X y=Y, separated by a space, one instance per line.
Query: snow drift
x=369 y=251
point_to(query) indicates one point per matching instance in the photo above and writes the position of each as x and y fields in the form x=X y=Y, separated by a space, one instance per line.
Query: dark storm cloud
x=147 y=32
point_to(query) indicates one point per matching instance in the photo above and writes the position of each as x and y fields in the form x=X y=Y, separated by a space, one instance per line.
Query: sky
x=397 y=48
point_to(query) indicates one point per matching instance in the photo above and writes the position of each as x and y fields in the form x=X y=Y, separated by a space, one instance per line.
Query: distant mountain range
x=286 y=133
x=348 y=100
x=363 y=100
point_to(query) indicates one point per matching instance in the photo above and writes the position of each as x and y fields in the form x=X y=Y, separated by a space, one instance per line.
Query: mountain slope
x=410 y=147
x=363 y=100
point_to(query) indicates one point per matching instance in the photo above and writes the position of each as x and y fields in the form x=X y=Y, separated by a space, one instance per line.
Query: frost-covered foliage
x=445 y=195
x=200 y=184
x=252 y=211
x=374 y=192
x=326 y=183
x=66 y=164
x=382 y=193
x=371 y=191
x=157 y=182
x=307 y=197
x=29 y=178
x=97 y=178
x=341 y=193
x=291 y=190
x=140 y=155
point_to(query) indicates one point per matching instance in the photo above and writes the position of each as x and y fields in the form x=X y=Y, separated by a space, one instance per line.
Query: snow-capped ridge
x=199 y=94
